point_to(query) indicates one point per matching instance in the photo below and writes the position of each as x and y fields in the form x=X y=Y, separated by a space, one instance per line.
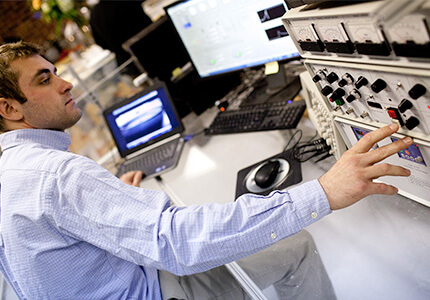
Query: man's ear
x=10 y=109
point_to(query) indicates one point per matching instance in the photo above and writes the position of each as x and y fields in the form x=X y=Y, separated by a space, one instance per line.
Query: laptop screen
x=143 y=119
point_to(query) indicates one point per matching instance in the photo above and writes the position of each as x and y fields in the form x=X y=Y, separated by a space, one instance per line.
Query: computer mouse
x=267 y=173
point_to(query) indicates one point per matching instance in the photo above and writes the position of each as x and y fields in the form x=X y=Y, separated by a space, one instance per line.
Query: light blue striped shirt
x=72 y=230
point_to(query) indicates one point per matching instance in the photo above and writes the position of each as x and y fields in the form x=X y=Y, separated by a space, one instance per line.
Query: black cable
x=303 y=152
x=324 y=157
x=291 y=138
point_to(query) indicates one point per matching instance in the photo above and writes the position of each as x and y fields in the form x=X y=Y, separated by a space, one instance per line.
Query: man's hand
x=132 y=178
x=351 y=178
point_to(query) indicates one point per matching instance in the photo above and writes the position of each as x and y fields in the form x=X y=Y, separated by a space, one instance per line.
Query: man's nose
x=66 y=86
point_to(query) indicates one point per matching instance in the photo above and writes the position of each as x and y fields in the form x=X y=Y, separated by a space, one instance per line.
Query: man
x=72 y=230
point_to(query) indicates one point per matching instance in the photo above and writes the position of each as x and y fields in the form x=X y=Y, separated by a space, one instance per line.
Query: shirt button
x=273 y=235
x=314 y=215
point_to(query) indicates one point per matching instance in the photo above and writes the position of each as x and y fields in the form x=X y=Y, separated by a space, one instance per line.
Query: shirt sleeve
x=140 y=226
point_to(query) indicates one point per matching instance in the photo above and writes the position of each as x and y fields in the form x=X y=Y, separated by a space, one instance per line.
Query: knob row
x=377 y=86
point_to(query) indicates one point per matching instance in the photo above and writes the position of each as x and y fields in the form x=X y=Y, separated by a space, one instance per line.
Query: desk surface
x=378 y=248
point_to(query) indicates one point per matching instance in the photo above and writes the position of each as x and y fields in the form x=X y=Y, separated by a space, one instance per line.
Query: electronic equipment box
x=368 y=65
x=384 y=32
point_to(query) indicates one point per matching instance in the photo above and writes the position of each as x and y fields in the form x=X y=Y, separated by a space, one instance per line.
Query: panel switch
x=395 y=115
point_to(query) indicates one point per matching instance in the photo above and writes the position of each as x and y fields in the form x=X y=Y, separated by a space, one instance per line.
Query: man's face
x=49 y=102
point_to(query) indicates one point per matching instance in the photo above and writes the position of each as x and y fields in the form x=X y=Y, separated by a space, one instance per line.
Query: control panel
x=368 y=65
x=376 y=94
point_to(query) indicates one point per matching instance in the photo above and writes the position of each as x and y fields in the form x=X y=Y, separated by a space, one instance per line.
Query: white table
x=378 y=248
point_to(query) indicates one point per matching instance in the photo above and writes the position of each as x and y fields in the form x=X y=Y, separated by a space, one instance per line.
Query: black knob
x=361 y=81
x=332 y=77
x=346 y=79
x=327 y=90
x=350 y=98
x=353 y=95
x=411 y=123
x=417 y=91
x=378 y=85
x=316 y=78
x=342 y=82
x=405 y=105
x=337 y=94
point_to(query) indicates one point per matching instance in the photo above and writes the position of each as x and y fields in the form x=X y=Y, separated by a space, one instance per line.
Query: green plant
x=57 y=11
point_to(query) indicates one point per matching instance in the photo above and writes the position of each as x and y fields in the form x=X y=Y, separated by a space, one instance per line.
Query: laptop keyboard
x=154 y=157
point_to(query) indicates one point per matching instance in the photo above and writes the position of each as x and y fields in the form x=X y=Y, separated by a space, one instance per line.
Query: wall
x=16 y=19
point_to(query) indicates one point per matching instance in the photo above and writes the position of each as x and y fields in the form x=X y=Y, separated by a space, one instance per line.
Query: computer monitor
x=157 y=49
x=222 y=36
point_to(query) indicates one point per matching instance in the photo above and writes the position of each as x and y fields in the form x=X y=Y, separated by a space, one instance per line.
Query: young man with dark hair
x=72 y=230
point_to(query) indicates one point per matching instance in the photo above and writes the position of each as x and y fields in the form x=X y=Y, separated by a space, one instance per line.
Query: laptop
x=147 y=131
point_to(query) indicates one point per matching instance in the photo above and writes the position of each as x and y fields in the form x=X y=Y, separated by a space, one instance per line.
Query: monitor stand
x=274 y=88
x=276 y=82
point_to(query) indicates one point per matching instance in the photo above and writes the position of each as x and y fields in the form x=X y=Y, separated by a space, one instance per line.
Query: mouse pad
x=289 y=173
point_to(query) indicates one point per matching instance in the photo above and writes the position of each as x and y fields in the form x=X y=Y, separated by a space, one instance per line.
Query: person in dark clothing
x=114 y=22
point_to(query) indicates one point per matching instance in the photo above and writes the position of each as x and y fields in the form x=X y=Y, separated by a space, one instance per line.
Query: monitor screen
x=227 y=35
x=142 y=119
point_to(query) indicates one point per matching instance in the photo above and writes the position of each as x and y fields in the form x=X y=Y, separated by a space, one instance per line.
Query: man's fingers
x=379 y=170
x=382 y=189
x=137 y=178
x=381 y=153
x=370 y=139
x=132 y=178
x=127 y=177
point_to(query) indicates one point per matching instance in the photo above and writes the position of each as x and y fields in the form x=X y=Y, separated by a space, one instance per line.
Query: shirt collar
x=53 y=139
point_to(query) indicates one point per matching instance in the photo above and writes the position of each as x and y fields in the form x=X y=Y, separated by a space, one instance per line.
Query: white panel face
x=410 y=28
x=364 y=31
x=305 y=32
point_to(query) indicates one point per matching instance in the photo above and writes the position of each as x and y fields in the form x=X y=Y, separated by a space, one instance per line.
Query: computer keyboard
x=154 y=157
x=259 y=117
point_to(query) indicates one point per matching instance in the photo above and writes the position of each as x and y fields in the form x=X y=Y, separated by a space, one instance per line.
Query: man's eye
x=46 y=81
